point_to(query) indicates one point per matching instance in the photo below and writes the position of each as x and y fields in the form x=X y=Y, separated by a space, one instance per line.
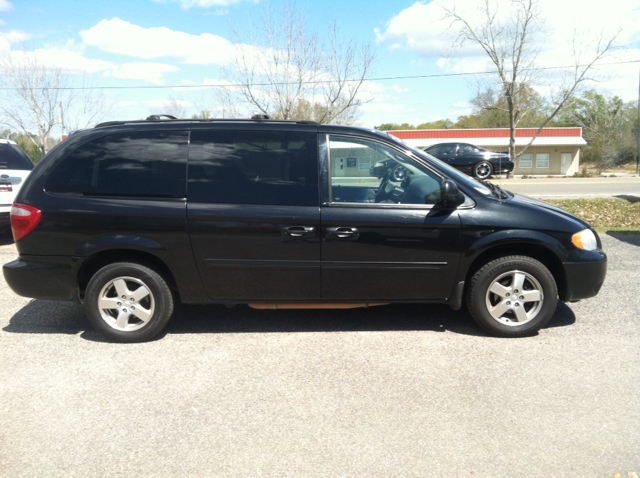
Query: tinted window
x=466 y=148
x=435 y=150
x=149 y=163
x=12 y=157
x=442 y=149
x=253 y=167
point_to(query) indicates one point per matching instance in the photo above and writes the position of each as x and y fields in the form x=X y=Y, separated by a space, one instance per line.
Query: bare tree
x=38 y=97
x=173 y=107
x=283 y=65
x=32 y=96
x=223 y=105
x=86 y=104
x=513 y=44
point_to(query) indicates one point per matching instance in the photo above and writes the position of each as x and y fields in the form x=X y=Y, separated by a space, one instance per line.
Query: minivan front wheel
x=512 y=296
x=483 y=170
x=128 y=302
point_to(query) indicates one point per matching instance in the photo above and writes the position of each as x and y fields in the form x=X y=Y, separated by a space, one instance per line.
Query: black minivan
x=131 y=216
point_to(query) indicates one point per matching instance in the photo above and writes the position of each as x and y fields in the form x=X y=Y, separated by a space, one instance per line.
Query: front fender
x=514 y=240
x=515 y=237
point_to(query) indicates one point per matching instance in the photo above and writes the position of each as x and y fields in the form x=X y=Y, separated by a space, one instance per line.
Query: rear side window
x=254 y=167
x=141 y=163
x=12 y=157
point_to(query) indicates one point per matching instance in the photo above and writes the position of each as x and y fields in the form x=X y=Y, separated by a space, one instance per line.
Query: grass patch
x=604 y=214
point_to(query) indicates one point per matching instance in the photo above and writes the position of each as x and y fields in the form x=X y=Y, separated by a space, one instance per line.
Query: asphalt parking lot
x=404 y=390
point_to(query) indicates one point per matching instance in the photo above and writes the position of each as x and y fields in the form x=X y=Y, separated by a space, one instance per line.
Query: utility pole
x=638 y=131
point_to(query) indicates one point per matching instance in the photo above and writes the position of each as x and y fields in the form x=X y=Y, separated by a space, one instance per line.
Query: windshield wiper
x=496 y=190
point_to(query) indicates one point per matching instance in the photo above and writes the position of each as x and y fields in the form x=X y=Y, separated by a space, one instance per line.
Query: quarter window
x=542 y=160
x=140 y=163
x=254 y=167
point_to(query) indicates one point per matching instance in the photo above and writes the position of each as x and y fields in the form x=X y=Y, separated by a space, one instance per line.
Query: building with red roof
x=555 y=151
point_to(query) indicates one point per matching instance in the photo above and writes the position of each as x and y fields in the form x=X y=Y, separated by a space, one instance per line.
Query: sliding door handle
x=297 y=231
x=342 y=233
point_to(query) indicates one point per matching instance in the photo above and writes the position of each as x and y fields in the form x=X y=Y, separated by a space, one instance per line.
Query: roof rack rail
x=168 y=118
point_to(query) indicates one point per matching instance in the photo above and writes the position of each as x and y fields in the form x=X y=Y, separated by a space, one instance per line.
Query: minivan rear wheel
x=512 y=296
x=128 y=302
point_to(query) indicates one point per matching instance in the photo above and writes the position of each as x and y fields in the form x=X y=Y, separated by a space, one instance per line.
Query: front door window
x=393 y=178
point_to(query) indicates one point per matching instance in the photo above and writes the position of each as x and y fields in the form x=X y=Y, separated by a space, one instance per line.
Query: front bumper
x=584 y=279
x=42 y=277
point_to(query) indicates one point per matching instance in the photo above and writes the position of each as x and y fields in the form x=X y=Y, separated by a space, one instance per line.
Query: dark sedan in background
x=472 y=160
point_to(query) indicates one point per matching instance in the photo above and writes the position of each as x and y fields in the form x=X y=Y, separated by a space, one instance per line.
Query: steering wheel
x=385 y=189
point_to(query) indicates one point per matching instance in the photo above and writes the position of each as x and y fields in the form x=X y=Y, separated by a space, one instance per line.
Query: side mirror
x=451 y=197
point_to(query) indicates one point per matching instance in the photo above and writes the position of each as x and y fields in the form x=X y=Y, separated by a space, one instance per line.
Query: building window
x=542 y=160
x=526 y=161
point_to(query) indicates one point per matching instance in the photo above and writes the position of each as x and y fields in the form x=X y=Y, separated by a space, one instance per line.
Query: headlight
x=585 y=240
x=378 y=164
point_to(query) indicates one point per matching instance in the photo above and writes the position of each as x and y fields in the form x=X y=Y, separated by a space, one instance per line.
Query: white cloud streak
x=124 y=38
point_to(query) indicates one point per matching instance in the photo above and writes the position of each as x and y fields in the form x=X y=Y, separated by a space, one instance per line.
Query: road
x=572 y=187
x=405 y=390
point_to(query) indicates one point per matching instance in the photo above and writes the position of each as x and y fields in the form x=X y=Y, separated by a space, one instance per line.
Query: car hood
x=550 y=207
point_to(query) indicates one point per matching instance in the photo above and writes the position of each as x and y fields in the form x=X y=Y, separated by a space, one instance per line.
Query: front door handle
x=296 y=231
x=343 y=232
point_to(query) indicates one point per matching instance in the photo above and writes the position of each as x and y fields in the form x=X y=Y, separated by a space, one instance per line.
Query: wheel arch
x=542 y=251
x=94 y=263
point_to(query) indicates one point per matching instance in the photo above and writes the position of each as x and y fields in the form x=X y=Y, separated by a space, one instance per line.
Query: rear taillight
x=23 y=220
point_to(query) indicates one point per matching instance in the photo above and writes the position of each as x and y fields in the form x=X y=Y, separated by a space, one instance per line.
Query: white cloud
x=15 y=36
x=124 y=38
x=461 y=108
x=5 y=6
x=150 y=72
x=73 y=62
x=65 y=59
x=422 y=28
x=386 y=108
x=206 y=84
x=163 y=103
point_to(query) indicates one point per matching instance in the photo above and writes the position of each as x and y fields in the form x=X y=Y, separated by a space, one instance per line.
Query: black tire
x=483 y=170
x=143 y=312
x=497 y=311
x=399 y=173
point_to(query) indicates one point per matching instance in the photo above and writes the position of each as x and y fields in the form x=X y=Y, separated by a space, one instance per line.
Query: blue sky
x=143 y=43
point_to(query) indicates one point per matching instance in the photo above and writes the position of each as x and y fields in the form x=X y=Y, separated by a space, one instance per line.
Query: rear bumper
x=504 y=167
x=584 y=279
x=42 y=277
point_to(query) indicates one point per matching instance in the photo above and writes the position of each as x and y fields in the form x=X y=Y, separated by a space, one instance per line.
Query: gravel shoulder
x=404 y=390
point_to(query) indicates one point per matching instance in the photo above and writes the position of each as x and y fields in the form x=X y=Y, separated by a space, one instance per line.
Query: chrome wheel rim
x=126 y=304
x=514 y=298
x=483 y=171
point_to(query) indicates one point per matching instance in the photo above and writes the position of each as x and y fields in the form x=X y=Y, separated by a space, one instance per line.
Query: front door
x=254 y=216
x=391 y=242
